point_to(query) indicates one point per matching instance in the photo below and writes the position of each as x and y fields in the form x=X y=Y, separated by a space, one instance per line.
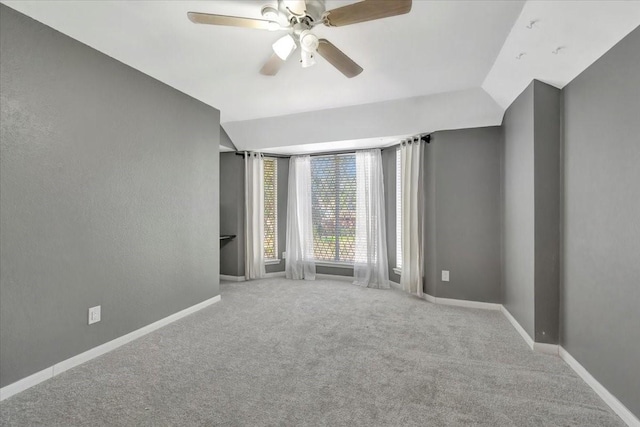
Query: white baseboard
x=232 y=278
x=541 y=347
x=395 y=285
x=276 y=274
x=468 y=304
x=617 y=406
x=431 y=299
x=454 y=302
x=557 y=350
x=462 y=303
x=320 y=276
x=25 y=383
x=244 y=279
x=60 y=367
x=608 y=398
x=538 y=347
x=518 y=327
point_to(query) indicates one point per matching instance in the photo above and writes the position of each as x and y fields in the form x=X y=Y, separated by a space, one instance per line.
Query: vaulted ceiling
x=444 y=65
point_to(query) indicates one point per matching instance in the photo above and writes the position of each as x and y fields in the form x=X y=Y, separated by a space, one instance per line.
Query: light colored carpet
x=276 y=352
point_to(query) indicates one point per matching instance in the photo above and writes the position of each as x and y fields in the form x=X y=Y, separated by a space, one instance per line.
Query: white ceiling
x=442 y=66
x=439 y=46
x=584 y=31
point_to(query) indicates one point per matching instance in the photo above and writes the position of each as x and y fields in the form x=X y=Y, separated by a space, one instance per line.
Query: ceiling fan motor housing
x=314 y=9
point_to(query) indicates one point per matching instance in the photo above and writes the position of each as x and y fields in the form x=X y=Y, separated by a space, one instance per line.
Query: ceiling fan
x=298 y=17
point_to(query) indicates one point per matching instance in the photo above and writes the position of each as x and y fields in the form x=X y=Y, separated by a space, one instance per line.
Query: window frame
x=399 y=259
x=275 y=259
x=337 y=261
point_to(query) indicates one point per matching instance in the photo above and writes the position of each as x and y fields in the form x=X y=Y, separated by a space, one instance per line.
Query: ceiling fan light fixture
x=298 y=17
x=270 y=13
x=284 y=46
x=307 y=58
x=308 y=41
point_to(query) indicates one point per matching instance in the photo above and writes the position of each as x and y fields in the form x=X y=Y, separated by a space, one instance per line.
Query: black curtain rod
x=287 y=156
x=423 y=138
x=279 y=156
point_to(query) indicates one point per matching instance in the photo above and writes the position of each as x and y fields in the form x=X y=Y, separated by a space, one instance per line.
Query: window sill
x=398 y=271
x=333 y=264
x=271 y=261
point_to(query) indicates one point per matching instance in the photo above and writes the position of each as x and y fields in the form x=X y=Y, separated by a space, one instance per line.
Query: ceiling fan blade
x=338 y=59
x=366 y=10
x=229 y=21
x=272 y=66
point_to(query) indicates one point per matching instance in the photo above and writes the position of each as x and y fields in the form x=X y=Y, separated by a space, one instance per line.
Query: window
x=399 y=209
x=333 y=201
x=270 y=175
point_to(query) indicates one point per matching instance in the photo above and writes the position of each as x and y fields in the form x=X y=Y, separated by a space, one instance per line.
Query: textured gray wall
x=547 y=211
x=461 y=213
x=600 y=298
x=467 y=208
x=108 y=195
x=518 y=210
x=531 y=210
x=232 y=214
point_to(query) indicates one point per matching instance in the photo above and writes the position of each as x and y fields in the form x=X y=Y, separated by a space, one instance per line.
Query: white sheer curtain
x=371 y=267
x=411 y=278
x=253 y=216
x=299 y=263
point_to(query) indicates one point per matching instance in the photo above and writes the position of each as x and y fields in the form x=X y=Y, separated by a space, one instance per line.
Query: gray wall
x=547 y=211
x=461 y=184
x=232 y=213
x=531 y=210
x=467 y=213
x=600 y=296
x=108 y=196
x=518 y=210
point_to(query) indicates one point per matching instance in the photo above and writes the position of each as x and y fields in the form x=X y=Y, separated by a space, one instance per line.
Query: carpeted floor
x=277 y=352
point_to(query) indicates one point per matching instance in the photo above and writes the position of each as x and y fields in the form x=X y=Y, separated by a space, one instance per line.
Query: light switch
x=94 y=314
x=445 y=275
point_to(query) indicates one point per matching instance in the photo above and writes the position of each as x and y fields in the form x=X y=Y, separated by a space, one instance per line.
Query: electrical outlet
x=284 y=255
x=445 y=275
x=94 y=314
